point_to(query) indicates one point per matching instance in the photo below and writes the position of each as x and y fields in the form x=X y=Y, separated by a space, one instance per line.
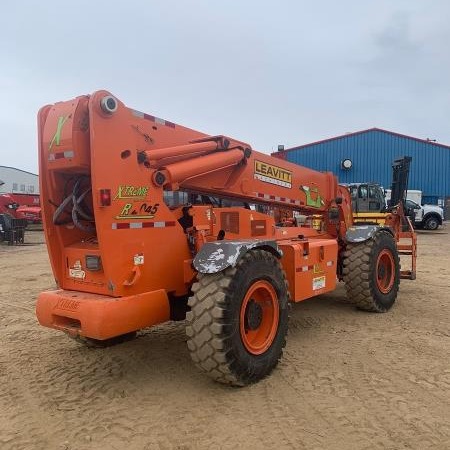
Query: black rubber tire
x=431 y=223
x=97 y=343
x=213 y=324
x=360 y=273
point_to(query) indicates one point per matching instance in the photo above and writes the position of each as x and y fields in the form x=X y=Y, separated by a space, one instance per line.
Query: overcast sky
x=265 y=72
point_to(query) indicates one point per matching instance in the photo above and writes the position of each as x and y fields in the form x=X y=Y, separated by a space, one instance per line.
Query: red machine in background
x=21 y=206
x=249 y=234
x=26 y=199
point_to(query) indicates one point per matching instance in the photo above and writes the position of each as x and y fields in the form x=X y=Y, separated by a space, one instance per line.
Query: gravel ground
x=348 y=379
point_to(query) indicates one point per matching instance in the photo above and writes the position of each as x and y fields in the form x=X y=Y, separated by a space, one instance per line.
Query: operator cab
x=367 y=197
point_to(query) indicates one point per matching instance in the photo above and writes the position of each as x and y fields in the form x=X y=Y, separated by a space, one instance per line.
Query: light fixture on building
x=346 y=164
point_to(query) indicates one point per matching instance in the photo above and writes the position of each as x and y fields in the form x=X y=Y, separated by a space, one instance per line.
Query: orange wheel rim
x=385 y=271
x=259 y=317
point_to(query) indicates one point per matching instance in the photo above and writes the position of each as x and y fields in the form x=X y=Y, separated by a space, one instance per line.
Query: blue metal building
x=371 y=153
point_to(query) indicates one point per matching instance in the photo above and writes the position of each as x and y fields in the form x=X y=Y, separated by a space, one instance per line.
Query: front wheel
x=239 y=319
x=372 y=273
x=431 y=223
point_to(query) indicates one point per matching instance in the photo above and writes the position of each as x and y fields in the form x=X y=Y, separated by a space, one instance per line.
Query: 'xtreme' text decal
x=132 y=192
x=137 y=206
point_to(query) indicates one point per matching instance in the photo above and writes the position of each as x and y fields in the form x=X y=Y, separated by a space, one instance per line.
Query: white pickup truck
x=429 y=217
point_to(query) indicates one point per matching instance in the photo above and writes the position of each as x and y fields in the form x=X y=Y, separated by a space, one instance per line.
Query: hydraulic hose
x=77 y=212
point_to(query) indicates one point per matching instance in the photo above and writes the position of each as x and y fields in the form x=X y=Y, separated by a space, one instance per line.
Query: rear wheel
x=372 y=273
x=239 y=319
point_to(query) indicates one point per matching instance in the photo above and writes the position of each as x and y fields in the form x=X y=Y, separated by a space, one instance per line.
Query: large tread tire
x=213 y=324
x=361 y=270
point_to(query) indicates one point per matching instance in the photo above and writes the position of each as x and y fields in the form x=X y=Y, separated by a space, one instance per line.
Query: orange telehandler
x=147 y=221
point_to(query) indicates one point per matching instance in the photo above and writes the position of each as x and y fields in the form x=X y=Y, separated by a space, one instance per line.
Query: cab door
x=362 y=199
x=374 y=198
x=369 y=198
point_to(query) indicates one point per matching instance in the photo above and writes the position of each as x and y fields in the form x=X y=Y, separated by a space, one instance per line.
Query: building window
x=30 y=189
x=14 y=187
x=22 y=188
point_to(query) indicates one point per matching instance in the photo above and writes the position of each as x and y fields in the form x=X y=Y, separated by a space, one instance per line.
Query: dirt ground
x=348 y=379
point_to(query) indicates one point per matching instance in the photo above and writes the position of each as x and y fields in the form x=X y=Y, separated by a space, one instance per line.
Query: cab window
x=362 y=192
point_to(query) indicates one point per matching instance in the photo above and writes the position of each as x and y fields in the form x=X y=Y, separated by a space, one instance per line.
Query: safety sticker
x=138 y=259
x=317 y=268
x=76 y=271
x=318 y=283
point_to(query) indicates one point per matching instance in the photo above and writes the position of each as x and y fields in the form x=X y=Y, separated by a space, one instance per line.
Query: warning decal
x=318 y=283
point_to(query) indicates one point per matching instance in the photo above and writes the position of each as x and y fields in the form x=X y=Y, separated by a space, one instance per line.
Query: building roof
x=343 y=136
x=19 y=170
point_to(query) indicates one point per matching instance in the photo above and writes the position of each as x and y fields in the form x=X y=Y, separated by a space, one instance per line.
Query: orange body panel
x=98 y=316
x=113 y=165
x=310 y=266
